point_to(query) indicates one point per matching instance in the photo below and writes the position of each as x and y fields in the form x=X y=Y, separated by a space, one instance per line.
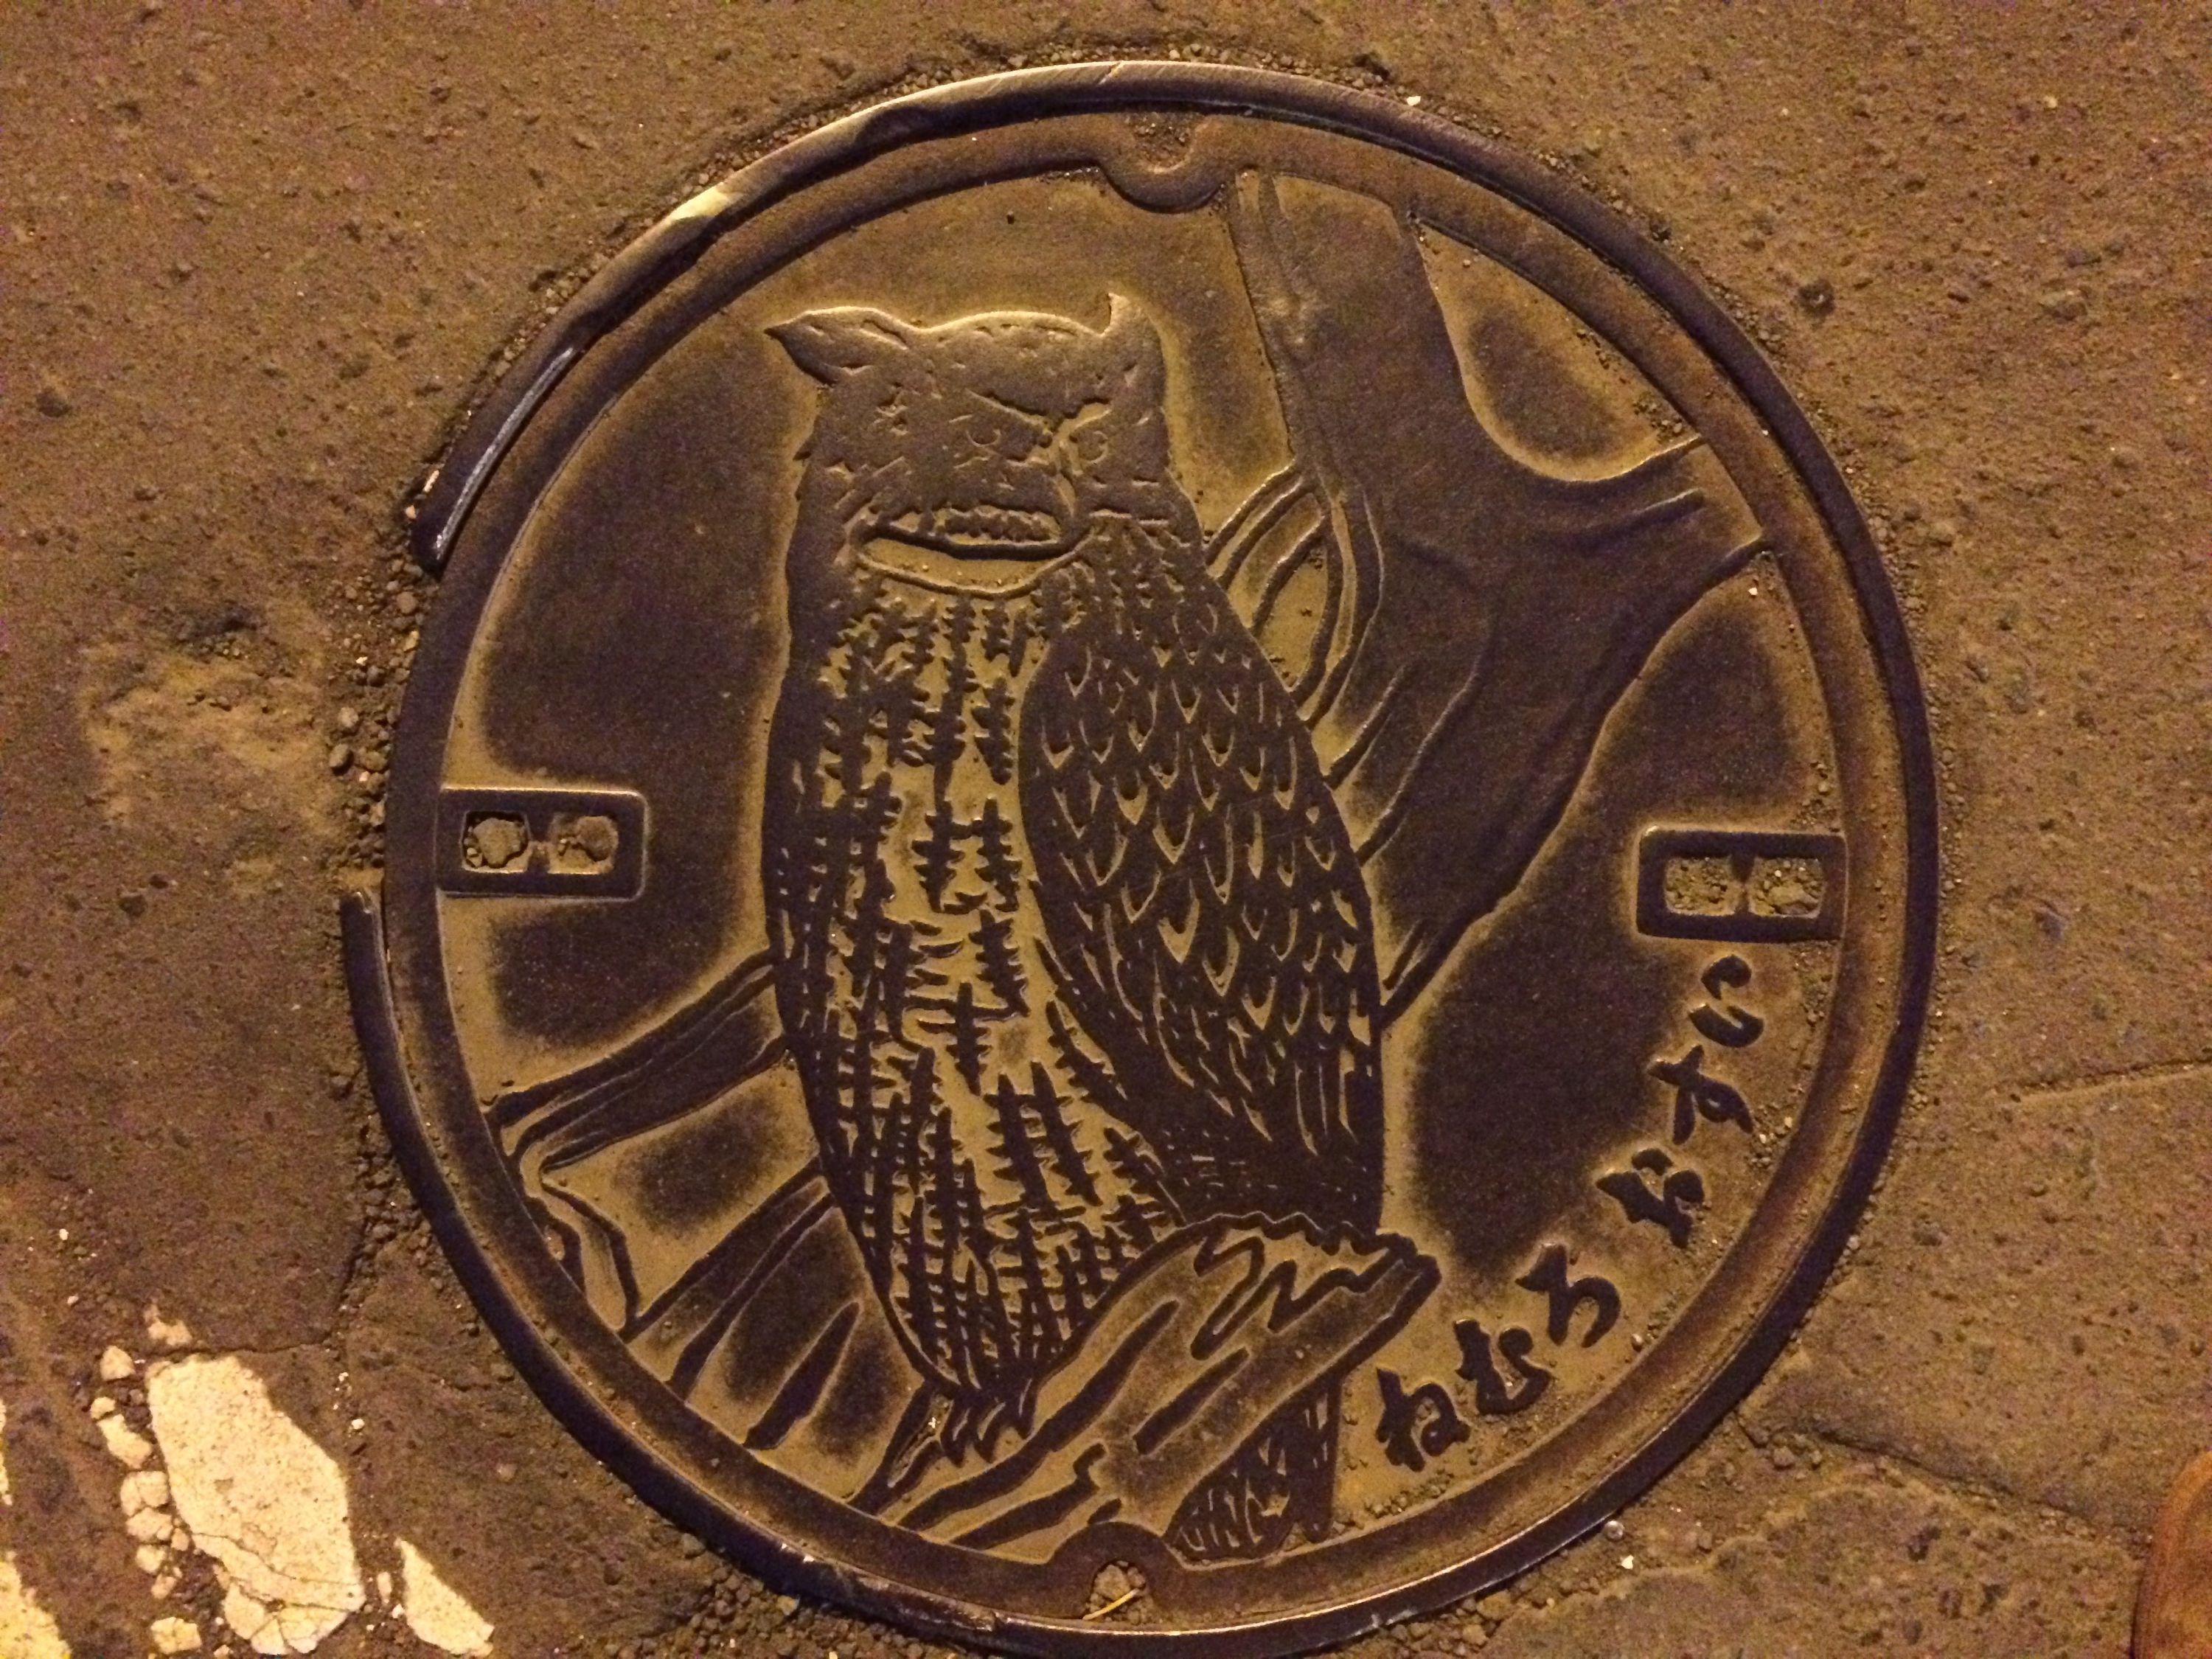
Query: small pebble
x=340 y=757
x=148 y=1526
x=125 y=1444
x=147 y=1489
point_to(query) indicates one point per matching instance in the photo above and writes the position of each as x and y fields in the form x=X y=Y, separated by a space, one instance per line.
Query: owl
x=1071 y=946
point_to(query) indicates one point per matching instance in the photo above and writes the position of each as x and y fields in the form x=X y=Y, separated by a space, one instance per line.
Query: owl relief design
x=1069 y=943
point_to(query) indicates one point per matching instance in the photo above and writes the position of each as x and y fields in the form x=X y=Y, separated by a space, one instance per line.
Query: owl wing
x=1202 y=906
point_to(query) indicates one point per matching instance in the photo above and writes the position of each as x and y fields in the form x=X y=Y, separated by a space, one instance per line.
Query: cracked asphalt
x=257 y=261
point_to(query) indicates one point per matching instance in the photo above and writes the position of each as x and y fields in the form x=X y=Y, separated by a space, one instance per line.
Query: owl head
x=990 y=440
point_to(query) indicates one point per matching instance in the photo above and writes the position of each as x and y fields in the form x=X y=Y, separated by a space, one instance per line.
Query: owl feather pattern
x=1072 y=949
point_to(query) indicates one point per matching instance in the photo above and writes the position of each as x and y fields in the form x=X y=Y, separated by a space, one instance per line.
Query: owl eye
x=997 y=425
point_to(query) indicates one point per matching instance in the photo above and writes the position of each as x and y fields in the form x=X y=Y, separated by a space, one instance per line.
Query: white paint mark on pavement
x=435 y=1610
x=171 y=1333
x=262 y=1498
x=27 y=1630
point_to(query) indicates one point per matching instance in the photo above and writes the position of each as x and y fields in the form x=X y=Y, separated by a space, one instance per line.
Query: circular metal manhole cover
x=1161 y=868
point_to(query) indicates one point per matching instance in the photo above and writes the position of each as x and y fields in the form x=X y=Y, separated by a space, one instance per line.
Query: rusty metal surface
x=1162 y=867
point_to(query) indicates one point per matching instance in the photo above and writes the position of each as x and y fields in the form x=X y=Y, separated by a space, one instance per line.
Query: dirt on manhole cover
x=1162 y=867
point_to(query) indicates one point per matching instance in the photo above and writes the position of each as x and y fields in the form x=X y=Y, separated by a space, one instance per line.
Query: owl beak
x=983 y=532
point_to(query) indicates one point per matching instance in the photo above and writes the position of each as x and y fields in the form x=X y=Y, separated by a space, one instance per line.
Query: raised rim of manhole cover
x=1162 y=867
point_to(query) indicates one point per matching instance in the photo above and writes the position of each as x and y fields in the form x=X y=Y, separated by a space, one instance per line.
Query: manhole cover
x=1161 y=868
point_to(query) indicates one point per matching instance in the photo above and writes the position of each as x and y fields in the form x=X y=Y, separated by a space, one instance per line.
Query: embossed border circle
x=467 y=521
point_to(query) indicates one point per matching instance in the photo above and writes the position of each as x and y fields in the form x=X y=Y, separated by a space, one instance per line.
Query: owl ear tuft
x=841 y=340
x=1131 y=332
